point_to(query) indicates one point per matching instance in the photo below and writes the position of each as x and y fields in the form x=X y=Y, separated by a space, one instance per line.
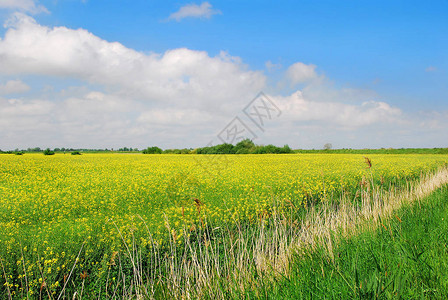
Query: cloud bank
x=13 y=87
x=28 y=6
x=102 y=94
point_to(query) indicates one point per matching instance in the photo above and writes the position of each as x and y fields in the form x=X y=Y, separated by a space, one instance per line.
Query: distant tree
x=328 y=146
x=285 y=149
x=76 y=153
x=152 y=150
x=266 y=149
x=224 y=149
x=48 y=152
x=245 y=146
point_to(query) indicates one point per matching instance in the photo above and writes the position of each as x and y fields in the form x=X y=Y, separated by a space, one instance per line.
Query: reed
x=233 y=261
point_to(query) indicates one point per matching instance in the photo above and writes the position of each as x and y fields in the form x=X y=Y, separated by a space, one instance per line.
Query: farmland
x=59 y=210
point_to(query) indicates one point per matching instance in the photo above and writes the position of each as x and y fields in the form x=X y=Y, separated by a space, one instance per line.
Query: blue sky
x=353 y=73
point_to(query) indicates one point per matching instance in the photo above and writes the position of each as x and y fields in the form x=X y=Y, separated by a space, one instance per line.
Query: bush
x=286 y=149
x=244 y=147
x=223 y=149
x=152 y=150
x=272 y=149
x=48 y=152
x=18 y=153
x=243 y=151
x=76 y=153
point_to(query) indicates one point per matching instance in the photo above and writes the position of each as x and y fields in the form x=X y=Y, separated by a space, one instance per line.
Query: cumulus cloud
x=13 y=87
x=300 y=109
x=179 y=98
x=143 y=91
x=182 y=76
x=29 y=6
x=301 y=73
x=194 y=11
x=172 y=116
x=370 y=124
x=97 y=119
x=271 y=66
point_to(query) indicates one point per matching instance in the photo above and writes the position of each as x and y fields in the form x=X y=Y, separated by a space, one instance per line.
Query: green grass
x=378 y=151
x=405 y=258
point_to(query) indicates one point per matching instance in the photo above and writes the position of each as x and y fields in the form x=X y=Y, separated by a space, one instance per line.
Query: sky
x=186 y=74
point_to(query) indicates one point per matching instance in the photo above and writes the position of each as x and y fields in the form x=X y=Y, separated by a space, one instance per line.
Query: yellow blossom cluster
x=55 y=209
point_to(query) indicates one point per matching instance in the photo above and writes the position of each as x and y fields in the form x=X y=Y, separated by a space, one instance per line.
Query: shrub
x=152 y=150
x=245 y=146
x=48 y=152
x=223 y=149
x=286 y=149
x=76 y=153
x=243 y=151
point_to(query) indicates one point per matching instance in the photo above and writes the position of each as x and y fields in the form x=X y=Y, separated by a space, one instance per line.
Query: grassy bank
x=405 y=257
x=377 y=151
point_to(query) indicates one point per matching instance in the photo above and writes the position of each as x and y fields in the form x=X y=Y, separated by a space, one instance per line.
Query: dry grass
x=223 y=263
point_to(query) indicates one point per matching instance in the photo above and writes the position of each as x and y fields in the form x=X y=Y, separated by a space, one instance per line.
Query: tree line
x=246 y=146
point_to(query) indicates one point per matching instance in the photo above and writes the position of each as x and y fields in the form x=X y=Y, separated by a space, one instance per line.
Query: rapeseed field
x=63 y=214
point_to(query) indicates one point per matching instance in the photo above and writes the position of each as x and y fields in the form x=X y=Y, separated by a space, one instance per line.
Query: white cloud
x=370 y=124
x=300 y=109
x=96 y=119
x=176 y=117
x=179 y=98
x=12 y=108
x=271 y=66
x=182 y=76
x=301 y=73
x=323 y=90
x=13 y=87
x=143 y=91
x=194 y=11
x=29 y=6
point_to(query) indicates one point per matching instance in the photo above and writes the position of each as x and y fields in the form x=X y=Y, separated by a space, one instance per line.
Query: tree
x=285 y=149
x=244 y=147
x=328 y=146
x=48 y=152
x=224 y=149
x=152 y=150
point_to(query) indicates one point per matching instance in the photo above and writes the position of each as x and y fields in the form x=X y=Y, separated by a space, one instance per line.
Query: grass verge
x=405 y=257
